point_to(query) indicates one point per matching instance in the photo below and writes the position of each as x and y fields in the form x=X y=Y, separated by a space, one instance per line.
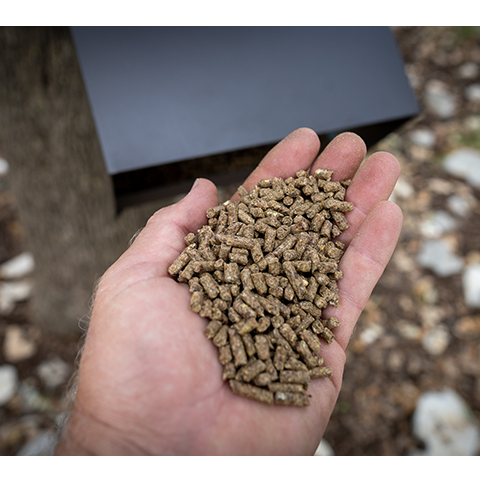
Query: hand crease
x=367 y=257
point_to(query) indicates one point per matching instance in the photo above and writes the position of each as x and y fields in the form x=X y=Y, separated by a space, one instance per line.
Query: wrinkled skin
x=150 y=382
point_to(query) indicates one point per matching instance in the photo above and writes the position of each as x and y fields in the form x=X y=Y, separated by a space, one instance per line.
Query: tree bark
x=64 y=195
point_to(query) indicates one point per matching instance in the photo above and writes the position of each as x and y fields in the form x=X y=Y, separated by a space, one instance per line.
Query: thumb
x=189 y=214
x=162 y=239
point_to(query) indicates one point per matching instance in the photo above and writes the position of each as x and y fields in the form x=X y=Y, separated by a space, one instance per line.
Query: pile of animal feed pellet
x=262 y=271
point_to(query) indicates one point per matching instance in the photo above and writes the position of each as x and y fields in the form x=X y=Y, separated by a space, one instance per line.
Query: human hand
x=150 y=383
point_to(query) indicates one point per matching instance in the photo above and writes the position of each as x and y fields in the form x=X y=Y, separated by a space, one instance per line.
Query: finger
x=163 y=238
x=373 y=183
x=343 y=155
x=295 y=152
x=363 y=264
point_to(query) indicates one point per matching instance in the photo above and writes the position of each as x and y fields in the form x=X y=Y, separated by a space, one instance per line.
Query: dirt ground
x=388 y=364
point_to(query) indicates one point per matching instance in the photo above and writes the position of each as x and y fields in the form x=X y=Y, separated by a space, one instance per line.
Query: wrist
x=73 y=439
x=84 y=435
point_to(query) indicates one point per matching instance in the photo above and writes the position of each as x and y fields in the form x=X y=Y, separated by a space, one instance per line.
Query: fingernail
x=195 y=184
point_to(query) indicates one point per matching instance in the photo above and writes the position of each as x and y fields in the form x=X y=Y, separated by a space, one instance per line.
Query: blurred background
x=412 y=378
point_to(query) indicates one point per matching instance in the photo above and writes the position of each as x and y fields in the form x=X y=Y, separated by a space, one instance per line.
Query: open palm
x=151 y=383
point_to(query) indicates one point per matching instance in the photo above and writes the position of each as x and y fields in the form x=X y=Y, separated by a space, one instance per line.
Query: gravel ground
x=417 y=333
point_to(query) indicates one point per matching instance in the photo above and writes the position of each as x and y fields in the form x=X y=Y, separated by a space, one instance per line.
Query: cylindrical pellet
x=327 y=335
x=212 y=328
x=306 y=354
x=305 y=323
x=249 y=344
x=277 y=321
x=259 y=283
x=210 y=285
x=320 y=372
x=238 y=349
x=262 y=379
x=243 y=309
x=286 y=387
x=269 y=244
x=234 y=316
x=280 y=357
x=263 y=324
x=206 y=310
x=294 y=376
x=284 y=310
x=246 y=326
x=295 y=364
x=317 y=222
x=274 y=266
x=339 y=206
x=295 y=280
x=221 y=338
x=249 y=372
x=196 y=301
x=312 y=289
x=292 y=399
x=225 y=354
x=269 y=306
x=181 y=261
x=250 y=391
x=310 y=308
x=340 y=220
x=288 y=334
x=332 y=322
x=229 y=371
x=295 y=321
x=236 y=241
x=317 y=327
x=252 y=301
x=311 y=340
x=262 y=345
x=246 y=279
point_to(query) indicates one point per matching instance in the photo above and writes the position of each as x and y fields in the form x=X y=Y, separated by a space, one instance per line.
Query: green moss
x=343 y=407
x=466 y=34
x=467 y=139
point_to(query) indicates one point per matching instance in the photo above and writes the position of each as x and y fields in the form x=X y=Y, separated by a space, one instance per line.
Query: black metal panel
x=167 y=95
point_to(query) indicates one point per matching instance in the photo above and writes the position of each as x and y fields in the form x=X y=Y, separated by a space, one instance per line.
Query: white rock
x=18 y=266
x=33 y=399
x=472 y=122
x=440 y=186
x=12 y=293
x=436 y=340
x=324 y=449
x=17 y=346
x=8 y=383
x=371 y=333
x=42 y=444
x=402 y=189
x=4 y=167
x=53 y=372
x=437 y=224
x=437 y=255
x=468 y=70
x=444 y=422
x=409 y=330
x=472 y=92
x=439 y=100
x=464 y=163
x=423 y=137
x=460 y=205
x=471 y=285
x=404 y=261
x=413 y=77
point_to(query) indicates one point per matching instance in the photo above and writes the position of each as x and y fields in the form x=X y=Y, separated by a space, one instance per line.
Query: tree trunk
x=64 y=196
